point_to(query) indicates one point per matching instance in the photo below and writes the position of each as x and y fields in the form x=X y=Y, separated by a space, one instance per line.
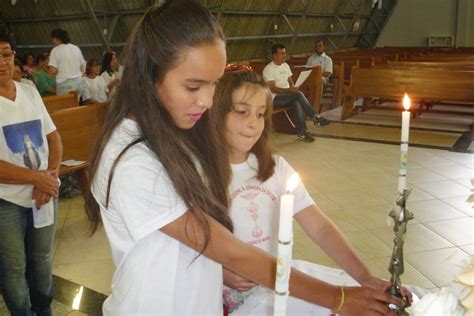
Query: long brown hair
x=156 y=45
x=228 y=84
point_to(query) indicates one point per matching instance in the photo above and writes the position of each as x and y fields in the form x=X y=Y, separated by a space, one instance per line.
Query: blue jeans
x=302 y=107
x=69 y=85
x=25 y=261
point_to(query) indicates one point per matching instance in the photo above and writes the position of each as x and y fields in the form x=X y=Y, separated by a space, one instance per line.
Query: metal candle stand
x=401 y=215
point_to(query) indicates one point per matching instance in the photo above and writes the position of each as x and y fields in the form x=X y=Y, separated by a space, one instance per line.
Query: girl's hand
x=237 y=282
x=367 y=301
x=383 y=285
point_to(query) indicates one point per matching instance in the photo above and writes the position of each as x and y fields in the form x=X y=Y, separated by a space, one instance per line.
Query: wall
x=412 y=21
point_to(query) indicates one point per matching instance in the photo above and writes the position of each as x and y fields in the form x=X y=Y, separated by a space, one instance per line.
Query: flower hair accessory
x=232 y=67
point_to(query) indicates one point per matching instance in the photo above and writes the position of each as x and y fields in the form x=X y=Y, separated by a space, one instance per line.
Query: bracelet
x=341 y=303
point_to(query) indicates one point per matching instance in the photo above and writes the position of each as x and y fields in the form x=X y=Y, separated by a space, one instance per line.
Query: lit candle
x=402 y=176
x=285 y=243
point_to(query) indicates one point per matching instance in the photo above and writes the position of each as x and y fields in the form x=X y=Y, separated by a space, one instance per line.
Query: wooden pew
x=432 y=64
x=421 y=85
x=60 y=102
x=79 y=127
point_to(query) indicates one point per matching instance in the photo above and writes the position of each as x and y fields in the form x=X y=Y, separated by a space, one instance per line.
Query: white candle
x=285 y=243
x=285 y=230
x=402 y=176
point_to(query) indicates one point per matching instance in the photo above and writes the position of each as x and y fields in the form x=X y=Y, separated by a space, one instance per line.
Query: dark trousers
x=301 y=104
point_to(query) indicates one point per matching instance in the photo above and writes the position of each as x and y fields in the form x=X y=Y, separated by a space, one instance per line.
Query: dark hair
x=106 y=60
x=276 y=47
x=17 y=62
x=156 y=45
x=228 y=84
x=7 y=36
x=319 y=41
x=41 y=57
x=91 y=63
x=61 y=35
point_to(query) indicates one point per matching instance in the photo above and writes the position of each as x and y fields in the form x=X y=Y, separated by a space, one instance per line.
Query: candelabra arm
x=400 y=215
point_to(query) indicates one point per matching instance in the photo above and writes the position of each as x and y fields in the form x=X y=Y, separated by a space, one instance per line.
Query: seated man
x=319 y=58
x=278 y=76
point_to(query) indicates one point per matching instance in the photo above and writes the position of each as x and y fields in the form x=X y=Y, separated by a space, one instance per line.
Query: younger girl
x=94 y=89
x=243 y=114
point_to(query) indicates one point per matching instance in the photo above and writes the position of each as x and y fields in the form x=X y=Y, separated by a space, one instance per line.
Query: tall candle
x=402 y=175
x=285 y=244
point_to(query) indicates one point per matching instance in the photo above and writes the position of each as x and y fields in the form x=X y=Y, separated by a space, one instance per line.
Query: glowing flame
x=406 y=102
x=292 y=182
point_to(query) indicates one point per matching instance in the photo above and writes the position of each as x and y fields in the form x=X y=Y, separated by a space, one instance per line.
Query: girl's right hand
x=367 y=301
x=237 y=282
x=46 y=183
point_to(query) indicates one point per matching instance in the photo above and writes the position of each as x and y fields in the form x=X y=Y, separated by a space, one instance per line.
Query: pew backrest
x=78 y=128
x=419 y=84
x=60 y=102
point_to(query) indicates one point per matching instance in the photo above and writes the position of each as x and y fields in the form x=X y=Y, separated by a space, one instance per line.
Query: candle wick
x=287 y=191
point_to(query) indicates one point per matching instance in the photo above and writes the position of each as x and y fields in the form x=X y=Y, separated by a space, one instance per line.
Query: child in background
x=242 y=114
x=94 y=89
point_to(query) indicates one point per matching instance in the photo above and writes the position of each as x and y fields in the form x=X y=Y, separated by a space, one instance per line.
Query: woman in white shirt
x=94 y=89
x=110 y=71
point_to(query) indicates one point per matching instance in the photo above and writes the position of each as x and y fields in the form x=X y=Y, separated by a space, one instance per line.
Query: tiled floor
x=355 y=183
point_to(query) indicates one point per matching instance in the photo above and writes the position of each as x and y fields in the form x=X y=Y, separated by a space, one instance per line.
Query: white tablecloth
x=261 y=303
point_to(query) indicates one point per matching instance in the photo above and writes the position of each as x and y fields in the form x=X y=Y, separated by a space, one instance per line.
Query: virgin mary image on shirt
x=25 y=142
x=31 y=157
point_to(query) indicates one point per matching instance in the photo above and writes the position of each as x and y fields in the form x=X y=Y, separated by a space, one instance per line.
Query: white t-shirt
x=24 y=124
x=28 y=82
x=109 y=78
x=255 y=211
x=94 y=89
x=324 y=61
x=277 y=73
x=67 y=59
x=255 y=206
x=155 y=274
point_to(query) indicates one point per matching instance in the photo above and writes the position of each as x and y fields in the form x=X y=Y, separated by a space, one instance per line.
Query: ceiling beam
x=94 y=18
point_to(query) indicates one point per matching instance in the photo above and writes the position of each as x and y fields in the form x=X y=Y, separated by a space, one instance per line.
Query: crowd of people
x=64 y=69
x=184 y=139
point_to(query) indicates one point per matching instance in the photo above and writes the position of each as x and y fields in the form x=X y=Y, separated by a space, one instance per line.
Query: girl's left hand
x=236 y=282
x=383 y=285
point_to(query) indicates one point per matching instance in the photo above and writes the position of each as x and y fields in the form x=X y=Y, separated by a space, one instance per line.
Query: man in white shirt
x=319 y=58
x=66 y=62
x=277 y=74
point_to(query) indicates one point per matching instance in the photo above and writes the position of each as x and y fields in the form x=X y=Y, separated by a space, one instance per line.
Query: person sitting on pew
x=29 y=66
x=45 y=83
x=94 y=87
x=319 y=58
x=277 y=74
x=18 y=74
x=110 y=71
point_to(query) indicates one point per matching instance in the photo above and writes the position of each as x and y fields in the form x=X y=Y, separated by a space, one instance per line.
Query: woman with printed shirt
x=30 y=155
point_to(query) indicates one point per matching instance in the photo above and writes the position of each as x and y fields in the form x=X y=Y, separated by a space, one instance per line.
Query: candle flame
x=406 y=102
x=292 y=182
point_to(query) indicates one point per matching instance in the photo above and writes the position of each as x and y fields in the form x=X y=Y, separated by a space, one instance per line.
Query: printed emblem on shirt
x=256 y=207
x=26 y=144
